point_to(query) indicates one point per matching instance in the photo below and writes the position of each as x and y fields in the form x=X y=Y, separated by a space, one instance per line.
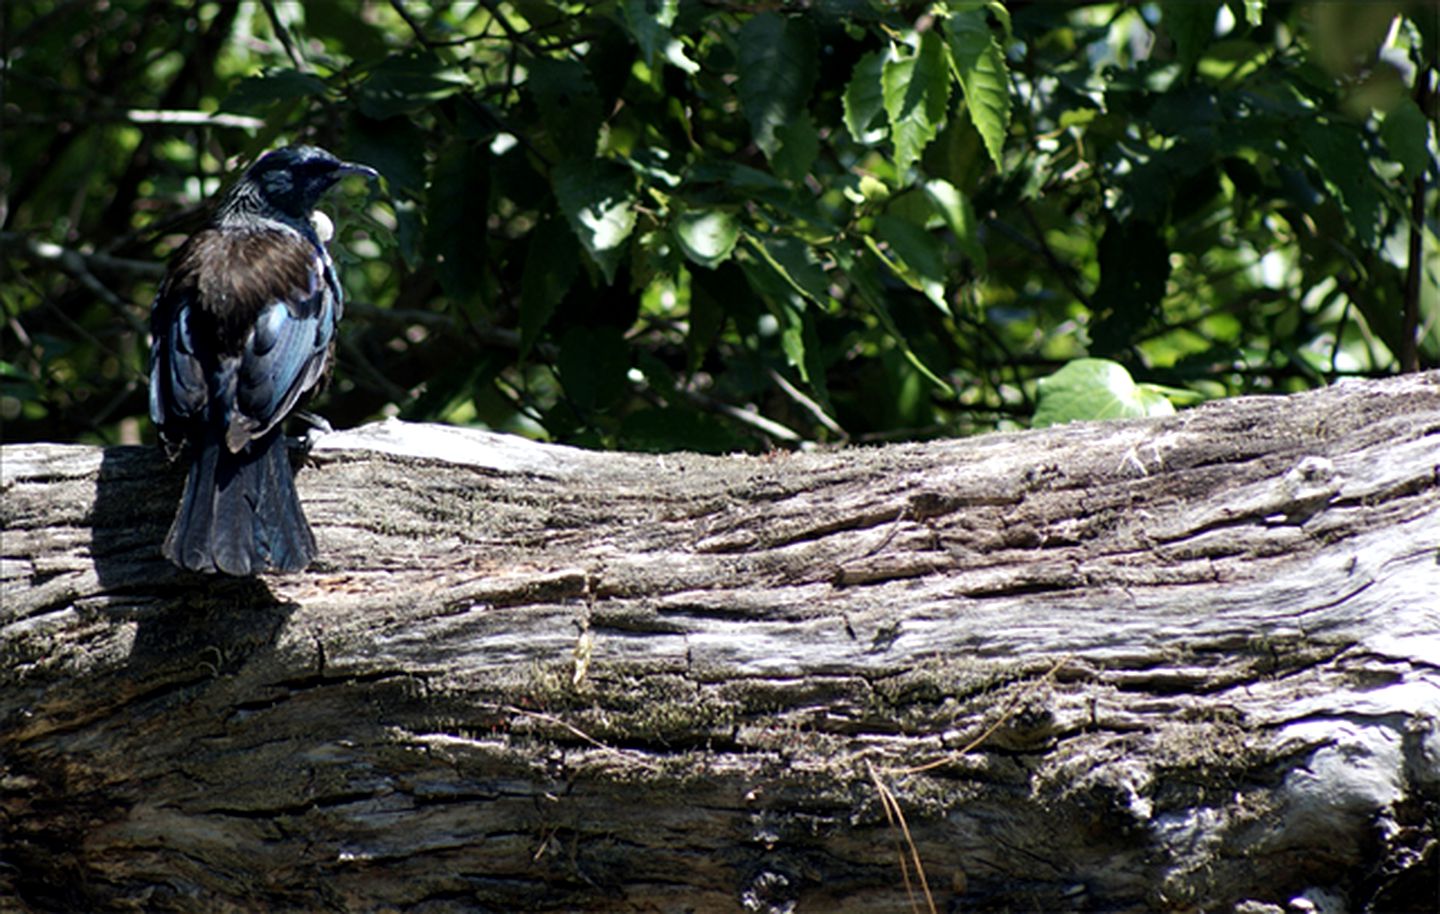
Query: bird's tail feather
x=240 y=513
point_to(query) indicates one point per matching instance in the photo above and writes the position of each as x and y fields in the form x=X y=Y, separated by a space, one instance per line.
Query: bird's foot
x=318 y=428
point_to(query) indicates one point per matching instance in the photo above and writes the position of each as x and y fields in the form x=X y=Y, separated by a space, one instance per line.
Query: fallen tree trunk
x=1183 y=664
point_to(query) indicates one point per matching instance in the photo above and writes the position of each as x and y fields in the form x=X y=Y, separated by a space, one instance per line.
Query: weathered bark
x=1181 y=664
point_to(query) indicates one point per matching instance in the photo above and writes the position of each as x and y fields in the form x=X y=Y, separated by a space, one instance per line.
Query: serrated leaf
x=916 y=90
x=799 y=145
x=1002 y=15
x=409 y=82
x=597 y=197
x=1095 y=389
x=707 y=236
x=864 y=100
x=256 y=93
x=777 y=65
x=984 y=78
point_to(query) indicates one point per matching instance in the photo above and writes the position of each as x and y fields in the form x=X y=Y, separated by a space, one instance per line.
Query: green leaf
x=1406 y=133
x=979 y=65
x=954 y=207
x=1095 y=389
x=707 y=236
x=864 y=100
x=395 y=147
x=777 y=69
x=1338 y=151
x=1254 y=12
x=713 y=295
x=256 y=93
x=916 y=91
x=794 y=262
x=799 y=145
x=569 y=105
x=864 y=274
x=406 y=83
x=550 y=264
x=597 y=197
x=1191 y=25
x=649 y=22
x=916 y=257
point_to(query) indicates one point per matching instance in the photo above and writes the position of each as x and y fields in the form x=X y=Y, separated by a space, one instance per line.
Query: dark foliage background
x=656 y=224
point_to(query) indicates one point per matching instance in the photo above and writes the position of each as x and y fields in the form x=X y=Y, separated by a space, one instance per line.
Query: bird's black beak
x=355 y=168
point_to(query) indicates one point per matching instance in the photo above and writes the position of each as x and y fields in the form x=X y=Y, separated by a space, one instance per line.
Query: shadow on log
x=1179 y=664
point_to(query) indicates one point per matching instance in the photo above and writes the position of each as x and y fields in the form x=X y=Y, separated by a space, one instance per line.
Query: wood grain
x=1179 y=664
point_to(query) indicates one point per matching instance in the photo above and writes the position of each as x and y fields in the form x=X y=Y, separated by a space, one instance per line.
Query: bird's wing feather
x=244 y=324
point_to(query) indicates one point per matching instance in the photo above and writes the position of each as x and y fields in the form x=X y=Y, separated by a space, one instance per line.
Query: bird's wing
x=243 y=327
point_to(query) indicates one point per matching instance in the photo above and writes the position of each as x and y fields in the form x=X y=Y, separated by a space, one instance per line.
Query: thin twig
x=748 y=417
x=283 y=33
x=72 y=260
x=815 y=409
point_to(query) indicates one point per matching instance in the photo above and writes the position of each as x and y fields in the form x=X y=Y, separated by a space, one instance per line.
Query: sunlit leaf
x=954 y=207
x=707 y=236
x=1095 y=389
x=980 y=67
x=916 y=90
x=649 y=22
x=864 y=100
x=597 y=197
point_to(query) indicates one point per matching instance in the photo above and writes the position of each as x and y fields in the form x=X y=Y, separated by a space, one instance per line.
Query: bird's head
x=292 y=179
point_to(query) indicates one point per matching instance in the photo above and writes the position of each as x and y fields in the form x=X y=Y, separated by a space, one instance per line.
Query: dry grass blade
x=894 y=815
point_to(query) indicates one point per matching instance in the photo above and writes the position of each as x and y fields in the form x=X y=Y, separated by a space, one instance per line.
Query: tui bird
x=243 y=327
